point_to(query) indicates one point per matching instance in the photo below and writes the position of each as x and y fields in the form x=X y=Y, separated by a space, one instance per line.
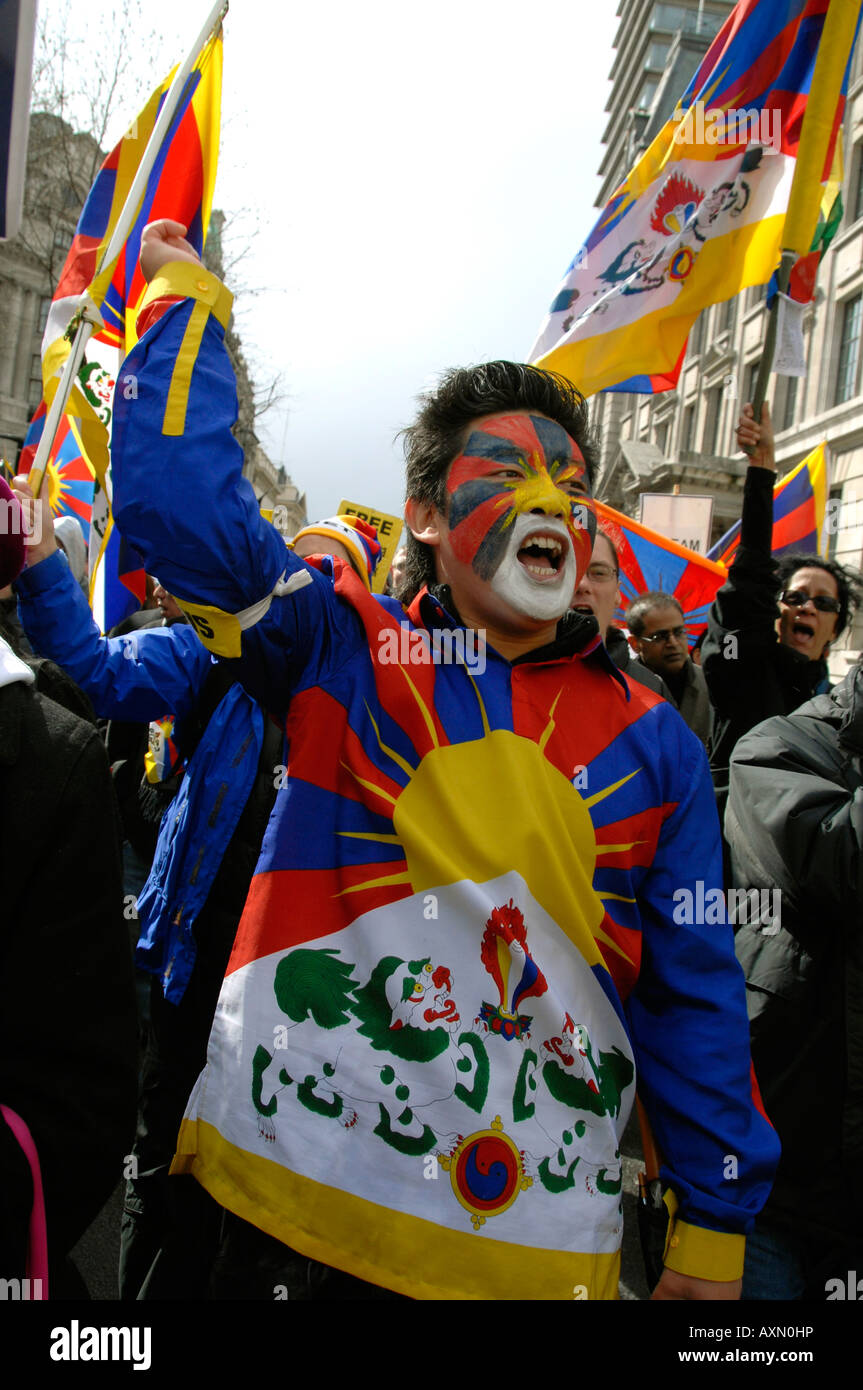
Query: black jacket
x=68 y=1032
x=795 y=822
x=750 y=675
x=621 y=654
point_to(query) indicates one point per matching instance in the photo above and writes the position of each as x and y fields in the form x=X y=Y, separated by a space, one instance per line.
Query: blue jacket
x=138 y=678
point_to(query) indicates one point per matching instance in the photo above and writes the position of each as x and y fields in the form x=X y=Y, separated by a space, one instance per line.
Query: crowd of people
x=332 y=865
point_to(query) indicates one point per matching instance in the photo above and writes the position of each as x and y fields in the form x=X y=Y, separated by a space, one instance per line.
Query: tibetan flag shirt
x=462 y=946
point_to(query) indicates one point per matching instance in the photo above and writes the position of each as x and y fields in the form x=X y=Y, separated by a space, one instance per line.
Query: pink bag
x=37 y=1245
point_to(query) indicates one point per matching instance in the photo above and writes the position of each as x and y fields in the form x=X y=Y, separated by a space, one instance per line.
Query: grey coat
x=795 y=823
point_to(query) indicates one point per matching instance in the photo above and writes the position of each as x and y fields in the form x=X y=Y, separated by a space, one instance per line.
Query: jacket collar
x=577 y=633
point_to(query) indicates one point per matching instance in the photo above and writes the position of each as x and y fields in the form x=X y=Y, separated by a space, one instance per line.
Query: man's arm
x=179 y=494
x=688 y=1020
x=745 y=607
x=135 y=678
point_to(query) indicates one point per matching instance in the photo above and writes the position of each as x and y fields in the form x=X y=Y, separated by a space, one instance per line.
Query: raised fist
x=162 y=242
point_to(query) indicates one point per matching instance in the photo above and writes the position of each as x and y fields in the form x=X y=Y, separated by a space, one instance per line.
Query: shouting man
x=459 y=939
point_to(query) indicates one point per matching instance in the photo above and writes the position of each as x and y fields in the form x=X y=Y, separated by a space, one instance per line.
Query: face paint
x=517 y=512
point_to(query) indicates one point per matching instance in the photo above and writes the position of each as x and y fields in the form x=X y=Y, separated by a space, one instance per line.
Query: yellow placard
x=389 y=529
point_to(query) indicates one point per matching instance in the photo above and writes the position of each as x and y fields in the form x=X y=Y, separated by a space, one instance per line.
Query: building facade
x=684 y=439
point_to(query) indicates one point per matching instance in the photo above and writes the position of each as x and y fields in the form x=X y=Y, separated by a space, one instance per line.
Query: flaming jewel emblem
x=505 y=956
x=677 y=201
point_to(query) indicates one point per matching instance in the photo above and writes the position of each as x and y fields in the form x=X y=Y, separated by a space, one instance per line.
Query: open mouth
x=803 y=630
x=542 y=555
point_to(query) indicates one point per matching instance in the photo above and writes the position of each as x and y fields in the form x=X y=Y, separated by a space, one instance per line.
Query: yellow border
x=174 y=422
x=369 y=1241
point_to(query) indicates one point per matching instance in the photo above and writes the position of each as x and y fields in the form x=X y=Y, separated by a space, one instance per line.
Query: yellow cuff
x=191 y=282
x=218 y=631
x=211 y=297
x=701 y=1253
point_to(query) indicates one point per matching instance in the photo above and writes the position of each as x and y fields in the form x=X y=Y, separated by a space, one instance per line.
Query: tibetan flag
x=651 y=561
x=799 y=507
x=702 y=215
x=180 y=186
x=70 y=481
x=119 y=586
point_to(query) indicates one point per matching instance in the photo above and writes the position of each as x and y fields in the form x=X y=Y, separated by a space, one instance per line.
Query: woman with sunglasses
x=772 y=623
x=792 y=828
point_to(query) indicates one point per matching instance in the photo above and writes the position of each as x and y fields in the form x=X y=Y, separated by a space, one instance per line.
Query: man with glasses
x=658 y=635
x=598 y=595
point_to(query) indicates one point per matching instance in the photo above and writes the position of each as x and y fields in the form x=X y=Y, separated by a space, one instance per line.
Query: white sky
x=421 y=177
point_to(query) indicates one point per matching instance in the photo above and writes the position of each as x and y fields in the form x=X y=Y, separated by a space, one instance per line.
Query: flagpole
x=90 y=320
x=801 y=217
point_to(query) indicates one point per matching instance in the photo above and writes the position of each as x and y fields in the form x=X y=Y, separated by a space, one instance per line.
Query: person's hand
x=39 y=539
x=686 y=1288
x=756 y=440
x=162 y=242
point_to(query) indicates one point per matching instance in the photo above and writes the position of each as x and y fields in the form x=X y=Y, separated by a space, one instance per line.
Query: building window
x=749 y=380
x=785 y=402
x=687 y=430
x=669 y=17
x=696 y=336
x=656 y=55
x=725 y=316
x=711 y=422
x=674 y=17
x=648 y=92
x=858 y=189
x=849 y=351
x=34 y=390
x=662 y=436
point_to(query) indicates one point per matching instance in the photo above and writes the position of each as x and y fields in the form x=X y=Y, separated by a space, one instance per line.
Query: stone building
x=61 y=167
x=685 y=438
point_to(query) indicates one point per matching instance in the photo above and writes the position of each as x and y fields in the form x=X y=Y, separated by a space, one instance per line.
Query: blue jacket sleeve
x=135 y=678
x=688 y=1018
x=181 y=500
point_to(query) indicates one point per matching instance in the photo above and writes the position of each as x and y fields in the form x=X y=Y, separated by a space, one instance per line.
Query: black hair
x=437 y=436
x=849 y=581
x=644 y=604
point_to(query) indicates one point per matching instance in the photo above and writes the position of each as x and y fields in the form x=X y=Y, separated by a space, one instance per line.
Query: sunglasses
x=665 y=634
x=795 y=598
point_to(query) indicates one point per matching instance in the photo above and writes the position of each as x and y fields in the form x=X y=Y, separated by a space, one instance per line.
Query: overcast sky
x=421 y=177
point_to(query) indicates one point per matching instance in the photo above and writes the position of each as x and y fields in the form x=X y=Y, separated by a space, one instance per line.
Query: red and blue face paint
x=483 y=507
